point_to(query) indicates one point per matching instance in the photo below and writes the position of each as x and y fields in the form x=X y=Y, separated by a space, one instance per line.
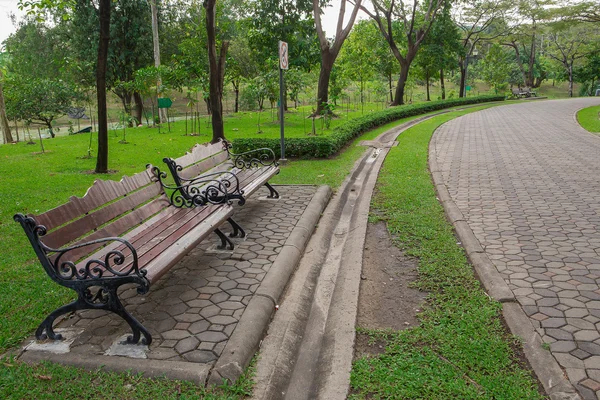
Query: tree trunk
x=427 y=85
x=442 y=84
x=3 y=119
x=391 y=88
x=102 y=160
x=138 y=107
x=399 y=97
x=48 y=123
x=570 y=69
x=17 y=129
x=463 y=78
x=216 y=72
x=236 y=89
x=162 y=112
x=327 y=61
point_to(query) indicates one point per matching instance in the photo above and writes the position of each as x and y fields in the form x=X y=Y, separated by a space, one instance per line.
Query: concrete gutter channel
x=308 y=351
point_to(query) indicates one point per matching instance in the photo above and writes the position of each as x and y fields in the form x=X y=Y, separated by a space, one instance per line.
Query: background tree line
x=68 y=53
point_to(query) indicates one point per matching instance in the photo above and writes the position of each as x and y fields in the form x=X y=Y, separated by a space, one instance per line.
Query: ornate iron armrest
x=214 y=188
x=67 y=270
x=262 y=157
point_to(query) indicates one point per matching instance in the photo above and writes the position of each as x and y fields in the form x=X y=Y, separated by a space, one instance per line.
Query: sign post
x=283 y=64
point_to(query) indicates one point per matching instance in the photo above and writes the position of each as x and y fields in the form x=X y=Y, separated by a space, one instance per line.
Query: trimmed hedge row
x=325 y=146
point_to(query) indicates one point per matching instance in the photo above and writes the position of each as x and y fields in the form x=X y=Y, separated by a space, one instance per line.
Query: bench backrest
x=202 y=158
x=108 y=209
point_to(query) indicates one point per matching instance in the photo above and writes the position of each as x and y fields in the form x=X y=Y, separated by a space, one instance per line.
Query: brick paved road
x=527 y=180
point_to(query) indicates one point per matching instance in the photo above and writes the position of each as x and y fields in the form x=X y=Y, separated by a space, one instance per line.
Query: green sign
x=165 y=102
x=468 y=88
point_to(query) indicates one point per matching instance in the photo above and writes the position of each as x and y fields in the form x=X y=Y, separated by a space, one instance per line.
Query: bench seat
x=125 y=232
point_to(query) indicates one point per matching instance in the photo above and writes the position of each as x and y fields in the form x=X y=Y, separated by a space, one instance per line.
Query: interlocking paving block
x=525 y=179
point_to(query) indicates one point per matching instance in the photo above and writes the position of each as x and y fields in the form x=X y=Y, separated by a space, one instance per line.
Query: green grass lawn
x=33 y=182
x=589 y=118
x=461 y=349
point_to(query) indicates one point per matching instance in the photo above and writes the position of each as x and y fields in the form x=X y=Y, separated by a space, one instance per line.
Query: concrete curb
x=250 y=330
x=544 y=365
x=179 y=370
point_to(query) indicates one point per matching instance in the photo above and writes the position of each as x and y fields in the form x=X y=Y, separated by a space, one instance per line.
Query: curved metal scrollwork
x=214 y=188
x=93 y=269
x=263 y=157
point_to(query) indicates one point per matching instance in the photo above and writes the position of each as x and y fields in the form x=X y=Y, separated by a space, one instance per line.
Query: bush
x=325 y=146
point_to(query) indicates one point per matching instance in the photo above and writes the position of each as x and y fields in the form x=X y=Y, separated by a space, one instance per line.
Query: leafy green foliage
x=325 y=146
x=38 y=99
x=496 y=67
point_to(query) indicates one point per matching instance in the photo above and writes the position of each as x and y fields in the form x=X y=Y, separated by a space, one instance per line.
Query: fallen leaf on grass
x=8 y=365
x=44 y=377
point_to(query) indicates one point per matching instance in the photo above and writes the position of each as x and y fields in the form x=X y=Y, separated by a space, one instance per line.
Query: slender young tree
x=414 y=23
x=331 y=49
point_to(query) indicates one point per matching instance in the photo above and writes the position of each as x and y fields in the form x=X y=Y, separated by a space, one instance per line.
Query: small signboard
x=468 y=88
x=165 y=102
x=283 y=55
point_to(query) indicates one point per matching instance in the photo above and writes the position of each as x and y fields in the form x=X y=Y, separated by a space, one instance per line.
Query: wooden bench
x=213 y=173
x=118 y=233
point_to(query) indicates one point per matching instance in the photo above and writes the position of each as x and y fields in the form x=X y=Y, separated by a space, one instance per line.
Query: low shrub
x=325 y=146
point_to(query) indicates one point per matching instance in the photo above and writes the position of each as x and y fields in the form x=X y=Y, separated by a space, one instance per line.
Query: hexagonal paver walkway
x=193 y=310
x=527 y=179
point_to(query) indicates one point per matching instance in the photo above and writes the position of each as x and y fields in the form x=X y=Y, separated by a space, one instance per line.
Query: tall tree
x=524 y=38
x=3 y=119
x=569 y=43
x=414 y=22
x=330 y=49
x=64 y=6
x=156 y=46
x=480 y=21
x=216 y=70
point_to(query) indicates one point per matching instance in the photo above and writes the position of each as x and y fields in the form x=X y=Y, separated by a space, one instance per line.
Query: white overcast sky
x=329 y=19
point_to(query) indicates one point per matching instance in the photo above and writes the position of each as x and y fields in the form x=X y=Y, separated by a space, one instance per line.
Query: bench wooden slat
x=141 y=229
x=100 y=193
x=165 y=259
x=199 y=152
x=176 y=239
x=118 y=227
x=92 y=221
x=205 y=166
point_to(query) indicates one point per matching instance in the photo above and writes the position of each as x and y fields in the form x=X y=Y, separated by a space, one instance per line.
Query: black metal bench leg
x=224 y=240
x=46 y=325
x=237 y=229
x=136 y=327
x=274 y=193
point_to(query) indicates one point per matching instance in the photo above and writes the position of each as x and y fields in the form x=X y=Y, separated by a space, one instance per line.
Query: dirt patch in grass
x=386 y=301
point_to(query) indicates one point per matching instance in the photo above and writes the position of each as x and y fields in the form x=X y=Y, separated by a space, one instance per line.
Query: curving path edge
x=521 y=185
